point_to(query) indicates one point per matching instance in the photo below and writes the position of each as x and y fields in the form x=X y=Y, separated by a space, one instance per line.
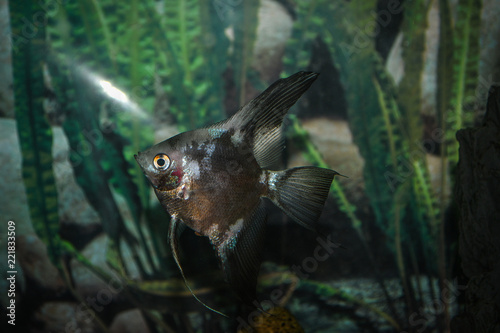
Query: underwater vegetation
x=113 y=74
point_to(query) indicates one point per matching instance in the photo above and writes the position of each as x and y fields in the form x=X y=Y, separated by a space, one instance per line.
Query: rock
x=86 y=282
x=489 y=64
x=395 y=64
x=274 y=28
x=6 y=91
x=434 y=165
x=79 y=221
x=130 y=321
x=273 y=31
x=477 y=193
x=429 y=75
x=65 y=317
x=32 y=255
x=13 y=200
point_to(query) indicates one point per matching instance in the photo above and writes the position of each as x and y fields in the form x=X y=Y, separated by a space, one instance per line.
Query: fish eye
x=161 y=161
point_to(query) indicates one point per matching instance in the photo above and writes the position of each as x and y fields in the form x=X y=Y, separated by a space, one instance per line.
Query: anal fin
x=240 y=256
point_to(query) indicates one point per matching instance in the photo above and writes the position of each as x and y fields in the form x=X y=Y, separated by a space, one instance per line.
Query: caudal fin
x=301 y=192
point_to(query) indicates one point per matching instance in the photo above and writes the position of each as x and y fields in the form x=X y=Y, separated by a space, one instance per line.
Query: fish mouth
x=137 y=159
x=151 y=179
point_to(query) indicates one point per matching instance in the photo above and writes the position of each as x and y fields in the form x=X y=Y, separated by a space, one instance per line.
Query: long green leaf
x=465 y=72
x=245 y=32
x=367 y=121
x=310 y=24
x=191 y=50
x=35 y=133
x=410 y=91
x=444 y=65
x=424 y=200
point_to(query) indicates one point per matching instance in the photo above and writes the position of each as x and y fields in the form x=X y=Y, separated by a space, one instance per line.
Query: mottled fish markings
x=214 y=180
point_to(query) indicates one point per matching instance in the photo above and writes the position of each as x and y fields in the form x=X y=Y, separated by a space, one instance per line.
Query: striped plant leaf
x=34 y=130
x=368 y=123
x=444 y=65
x=424 y=201
x=310 y=24
x=409 y=90
x=465 y=73
x=245 y=32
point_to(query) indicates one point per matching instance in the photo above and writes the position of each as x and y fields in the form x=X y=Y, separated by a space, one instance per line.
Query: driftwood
x=478 y=199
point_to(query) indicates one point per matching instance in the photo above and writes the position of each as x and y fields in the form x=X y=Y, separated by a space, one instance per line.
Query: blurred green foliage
x=35 y=133
x=386 y=122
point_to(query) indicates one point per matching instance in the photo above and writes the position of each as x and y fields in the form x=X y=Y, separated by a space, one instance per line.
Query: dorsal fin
x=260 y=120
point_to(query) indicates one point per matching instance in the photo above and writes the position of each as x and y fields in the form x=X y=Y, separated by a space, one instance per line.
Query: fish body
x=214 y=179
x=211 y=185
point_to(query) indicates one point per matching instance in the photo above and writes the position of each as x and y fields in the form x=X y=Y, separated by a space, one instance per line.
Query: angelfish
x=214 y=179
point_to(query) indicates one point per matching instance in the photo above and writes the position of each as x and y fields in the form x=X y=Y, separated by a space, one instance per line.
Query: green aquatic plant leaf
x=191 y=49
x=424 y=201
x=97 y=163
x=376 y=125
x=409 y=89
x=115 y=115
x=374 y=118
x=444 y=65
x=456 y=99
x=89 y=173
x=310 y=24
x=301 y=137
x=368 y=124
x=34 y=130
x=75 y=91
x=215 y=48
x=465 y=73
x=245 y=32
x=148 y=51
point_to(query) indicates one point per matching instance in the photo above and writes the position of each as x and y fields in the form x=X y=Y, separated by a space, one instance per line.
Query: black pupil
x=160 y=162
